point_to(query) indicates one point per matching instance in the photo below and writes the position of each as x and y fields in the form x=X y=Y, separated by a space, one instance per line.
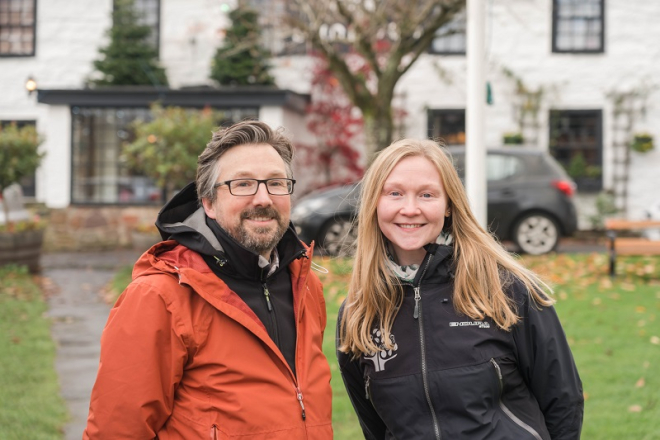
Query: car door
x=504 y=191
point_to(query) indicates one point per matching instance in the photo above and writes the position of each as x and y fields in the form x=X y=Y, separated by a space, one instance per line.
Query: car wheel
x=337 y=237
x=536 y=234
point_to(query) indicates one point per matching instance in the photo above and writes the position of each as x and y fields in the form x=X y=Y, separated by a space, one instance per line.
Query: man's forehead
x=251 y=161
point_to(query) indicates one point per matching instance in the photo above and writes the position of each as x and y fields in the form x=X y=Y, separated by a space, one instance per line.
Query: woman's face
x=412 y=208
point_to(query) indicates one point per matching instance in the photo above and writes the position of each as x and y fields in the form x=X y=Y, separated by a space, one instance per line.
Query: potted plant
x=512 y=138
x=642 y=142
x=20 y=241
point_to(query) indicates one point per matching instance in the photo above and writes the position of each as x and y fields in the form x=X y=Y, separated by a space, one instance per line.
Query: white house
x=584 y=72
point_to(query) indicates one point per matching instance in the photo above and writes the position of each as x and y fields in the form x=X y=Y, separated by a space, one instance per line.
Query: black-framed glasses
x=248 y=187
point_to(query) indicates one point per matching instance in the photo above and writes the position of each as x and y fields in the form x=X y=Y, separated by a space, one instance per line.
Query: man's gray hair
x=241 y=133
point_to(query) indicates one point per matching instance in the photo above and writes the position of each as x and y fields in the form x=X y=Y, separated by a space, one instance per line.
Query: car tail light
x=565 y=186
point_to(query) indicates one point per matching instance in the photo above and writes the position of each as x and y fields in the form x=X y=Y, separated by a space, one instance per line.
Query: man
x=219 y=335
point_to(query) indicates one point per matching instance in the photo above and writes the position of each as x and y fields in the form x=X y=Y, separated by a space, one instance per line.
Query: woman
x=443 y=334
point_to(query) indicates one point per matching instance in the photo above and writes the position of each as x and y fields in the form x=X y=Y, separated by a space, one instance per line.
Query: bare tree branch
x=388 y=35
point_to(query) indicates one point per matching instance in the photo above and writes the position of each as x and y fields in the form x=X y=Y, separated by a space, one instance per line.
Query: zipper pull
x=267 y=295
x=366 y=388
x=300 y=400
x=417 y=298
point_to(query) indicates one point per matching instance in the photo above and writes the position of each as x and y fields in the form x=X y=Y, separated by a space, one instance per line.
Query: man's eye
x=243 y=183
x=276 y=183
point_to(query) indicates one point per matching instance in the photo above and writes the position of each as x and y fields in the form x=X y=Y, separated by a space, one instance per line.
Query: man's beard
x=259 y=240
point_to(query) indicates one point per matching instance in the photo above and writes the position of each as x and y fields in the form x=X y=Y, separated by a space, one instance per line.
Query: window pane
x=576 y=143
x=99 y=174
x=448 y=125
x=500 y=167
x=450 y=38
x=578 y=26
x=17 y=24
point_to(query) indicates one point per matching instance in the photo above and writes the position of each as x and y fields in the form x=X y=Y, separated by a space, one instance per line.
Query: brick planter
x=22 y=248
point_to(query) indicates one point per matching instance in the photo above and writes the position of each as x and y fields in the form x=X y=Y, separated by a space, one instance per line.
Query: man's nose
x=262 y=197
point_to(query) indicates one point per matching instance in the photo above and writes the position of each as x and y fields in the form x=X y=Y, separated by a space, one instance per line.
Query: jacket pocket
x=507 y=412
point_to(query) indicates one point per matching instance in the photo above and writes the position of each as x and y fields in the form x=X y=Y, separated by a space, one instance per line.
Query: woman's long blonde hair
x=482 y=267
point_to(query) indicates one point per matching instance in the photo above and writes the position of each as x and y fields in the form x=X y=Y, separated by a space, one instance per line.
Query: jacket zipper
x=214 y=432
x=300 y=400
x=506 y=410
x=267 y=295
x=417 y=314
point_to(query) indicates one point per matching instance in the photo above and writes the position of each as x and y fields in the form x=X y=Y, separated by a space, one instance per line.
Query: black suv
x=529 y=202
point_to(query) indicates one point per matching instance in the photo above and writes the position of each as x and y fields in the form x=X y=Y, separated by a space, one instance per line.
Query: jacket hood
x=183 y=220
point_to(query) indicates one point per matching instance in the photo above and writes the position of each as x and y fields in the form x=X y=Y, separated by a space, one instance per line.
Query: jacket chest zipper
x=273 y=320
x=417 y=315
x=300 y=400
x=267 y=296
x=505 y=409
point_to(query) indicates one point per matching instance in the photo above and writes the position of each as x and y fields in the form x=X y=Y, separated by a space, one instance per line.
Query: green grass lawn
x=30 y=403
x=613 y=327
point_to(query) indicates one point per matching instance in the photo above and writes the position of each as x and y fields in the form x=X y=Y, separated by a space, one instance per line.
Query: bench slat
x=621 y=224
x=636 y=246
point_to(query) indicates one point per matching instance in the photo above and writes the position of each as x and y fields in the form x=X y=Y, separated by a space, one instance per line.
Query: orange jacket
x=183 y=357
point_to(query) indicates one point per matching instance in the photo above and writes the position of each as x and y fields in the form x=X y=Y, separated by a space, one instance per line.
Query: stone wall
x=79 y=228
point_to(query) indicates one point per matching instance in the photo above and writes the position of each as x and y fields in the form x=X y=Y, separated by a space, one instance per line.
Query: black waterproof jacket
x=450 y=377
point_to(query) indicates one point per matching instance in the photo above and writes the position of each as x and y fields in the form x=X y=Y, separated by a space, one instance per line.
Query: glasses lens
x=279 y=186
x=243 y=187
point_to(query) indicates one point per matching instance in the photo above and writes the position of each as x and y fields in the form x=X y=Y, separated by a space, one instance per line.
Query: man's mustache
x=268 y=212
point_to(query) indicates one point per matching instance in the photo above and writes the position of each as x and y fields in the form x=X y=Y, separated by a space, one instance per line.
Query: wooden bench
x=630 y=245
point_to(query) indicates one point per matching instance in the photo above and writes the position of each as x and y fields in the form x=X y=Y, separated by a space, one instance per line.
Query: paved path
x=79 y=315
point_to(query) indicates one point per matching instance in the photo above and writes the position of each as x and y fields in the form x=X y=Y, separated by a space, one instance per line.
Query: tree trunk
x=378 y=130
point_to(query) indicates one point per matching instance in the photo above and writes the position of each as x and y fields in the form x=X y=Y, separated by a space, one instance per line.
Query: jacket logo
x=384 y=355
x=480 y=324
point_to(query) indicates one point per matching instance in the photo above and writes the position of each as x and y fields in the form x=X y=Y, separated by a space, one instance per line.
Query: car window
x=500 y=167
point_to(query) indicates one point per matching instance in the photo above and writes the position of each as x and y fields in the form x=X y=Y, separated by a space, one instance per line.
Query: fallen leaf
x=635 y=408
x=655 y=340
x=646 y=364
x=640 y=383
x=640 y=309
x=596 y=301
x=641 y=323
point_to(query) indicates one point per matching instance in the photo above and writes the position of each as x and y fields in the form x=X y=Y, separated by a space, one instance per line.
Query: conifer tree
x=241 y=60
x=129 y=58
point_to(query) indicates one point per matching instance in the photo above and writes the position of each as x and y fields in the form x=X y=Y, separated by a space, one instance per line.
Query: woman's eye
x=427 y=195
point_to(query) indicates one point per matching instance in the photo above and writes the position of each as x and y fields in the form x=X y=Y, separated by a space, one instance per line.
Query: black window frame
x=433 y=113
x=585 y=183
x=555 y=29
x=461 y=15
x=33 y=52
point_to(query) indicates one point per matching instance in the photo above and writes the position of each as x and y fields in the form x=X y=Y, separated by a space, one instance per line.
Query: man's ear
x=208 y=208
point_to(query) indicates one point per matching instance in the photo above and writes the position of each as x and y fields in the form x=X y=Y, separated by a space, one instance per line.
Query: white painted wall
x=54 y=176
x=70 y=32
